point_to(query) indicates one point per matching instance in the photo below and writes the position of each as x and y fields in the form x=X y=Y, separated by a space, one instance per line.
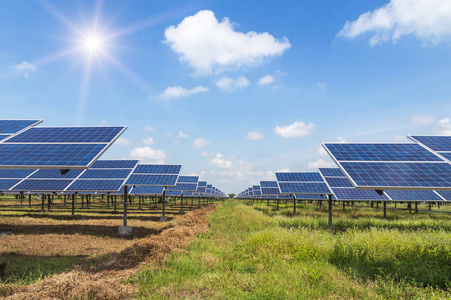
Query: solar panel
x=148 y=190
x=201 y=189
x=190 y=187
x=353 y=194
x=173 y=193
x=106 y=174
x=269 y=184
x=97 y=185
x=436 y=143
x=158 y=180
x=405 y=166
x=42 y=185
x=298 y=176
x=114 y=164
x=270 y=191
x=310 y=197
x=257 y=193
x=158 y=169
x=8 y=127
x=256 y=187
x=445 y=194
x=331 y=172
x=395 y=152
x=446 y=155
x=6 y=184
x=202 y=183
x=406 y=195
x=301 y=183
x=338 y=182
x=188 y=179
x=55 y=174
x=15 y=173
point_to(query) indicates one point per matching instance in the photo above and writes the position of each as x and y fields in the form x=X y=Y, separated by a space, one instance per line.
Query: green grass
x=248 y=254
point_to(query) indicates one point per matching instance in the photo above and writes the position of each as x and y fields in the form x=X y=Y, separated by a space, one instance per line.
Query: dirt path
x=107 y=279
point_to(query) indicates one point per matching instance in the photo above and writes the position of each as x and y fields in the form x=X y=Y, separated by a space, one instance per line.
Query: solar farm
x=379 y=222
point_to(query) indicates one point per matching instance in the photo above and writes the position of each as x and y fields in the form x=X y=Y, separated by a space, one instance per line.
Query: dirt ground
x=100 y=279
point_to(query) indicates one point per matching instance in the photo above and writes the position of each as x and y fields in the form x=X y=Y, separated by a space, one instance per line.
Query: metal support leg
x=181 y=212
x=43 y=204
x=139 y=203
x=125 y=204
x=385 y=209
x=73 y=205
x=163 y=218
x=192 y=203
x=29 y=200
x=294 y=206
x=330 y=212
x=416 y=207
x=344 y=209
x=277 y=204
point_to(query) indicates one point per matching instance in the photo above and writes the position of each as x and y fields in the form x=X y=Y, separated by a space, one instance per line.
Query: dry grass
x=107 y=278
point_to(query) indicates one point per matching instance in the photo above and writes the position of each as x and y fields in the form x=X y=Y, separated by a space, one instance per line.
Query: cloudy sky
x=233 y=90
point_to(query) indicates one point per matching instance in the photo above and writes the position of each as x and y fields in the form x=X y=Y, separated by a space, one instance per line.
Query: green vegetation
x=255 y=255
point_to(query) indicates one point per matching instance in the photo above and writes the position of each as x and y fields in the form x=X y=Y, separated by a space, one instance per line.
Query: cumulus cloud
x=218 y=160
x=123 y=142
x=266 y=80
x=321 y=163
x=428 y=20
x=173 y=92
x=149 y=128
x=182 y=135
x=207 y=44
x=229 y=85
x=444 y=126
x=254 y=135
x=200 y=143
x=147 y=154
x=297 y=129
x=25 y=68
x=423 y=120
x=148 y=141
x=283 y=170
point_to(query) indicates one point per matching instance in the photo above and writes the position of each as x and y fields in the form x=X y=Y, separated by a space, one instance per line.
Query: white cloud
x=206 y=153
x=182 y=135
x=103 y=122
x=283 y=170
x=428 y=20
x=168 y=135
x=149 y=128
x=444 y=126
x=148 y=141
x=266 y=80
x=297 y=129
x=229 y=85
x=254 y=135
x=320 y=86
x=25 y=68
x=147 y=154
x=206 y=44
x=123 y=142
x=200 y=143
x=219 y=161
x=321 y=163
x=173 y=92
x=423 y=120
x=323 y=152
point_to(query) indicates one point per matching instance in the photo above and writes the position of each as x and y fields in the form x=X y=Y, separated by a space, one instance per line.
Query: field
x=230 y=250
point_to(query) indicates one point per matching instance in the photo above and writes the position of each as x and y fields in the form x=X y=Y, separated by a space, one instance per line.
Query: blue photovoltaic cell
x=97 y=185
x=4 y=136
x=333 y=172
x=435 y=143
x=380 y=152
x=99 y=134
x=270 y=191
x=257 y=193
x=157 y=169
x=13 y=126
x=6 y=184
x=202 y=183
x=446 y=155
x=148 y=190
x=15 y=173
x=173 y=193
x=114 y=164
x=159 y=180
x=184 y=187
x=201 y=189
x=298 y=176
x=42 y=155
x=209 y=186
x=353 y=194
x=188 y=179
x=55 y=174
x=303 y=188
x=411 y=175
x=256 y=187
x=106 y=173
x=445 y=194
x=407 y=195
x=311 y=197
x=269 y=184
x=338 y=182
x=42 y=185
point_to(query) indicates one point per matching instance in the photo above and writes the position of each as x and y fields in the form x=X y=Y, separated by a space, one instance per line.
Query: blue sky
x=232 y=90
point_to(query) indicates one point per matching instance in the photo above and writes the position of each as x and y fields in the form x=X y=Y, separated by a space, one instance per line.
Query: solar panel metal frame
x=86 y=166
x=360 y=187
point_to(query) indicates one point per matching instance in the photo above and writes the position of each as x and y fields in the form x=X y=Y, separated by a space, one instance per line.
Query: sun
x=92 y=43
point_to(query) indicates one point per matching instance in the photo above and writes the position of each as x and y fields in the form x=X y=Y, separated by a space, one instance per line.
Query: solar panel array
x=155 y=175
x=301 y=183
x=391 y=166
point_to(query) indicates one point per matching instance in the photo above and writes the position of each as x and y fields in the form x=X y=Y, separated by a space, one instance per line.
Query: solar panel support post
x=29 y=200
x=320 y=203
x=278 y=204
x=82 y=201
x=181 y=212
x=21 y=198
x=268 y=202
x=115 y=204
x=163 y=218
x=108 y=199
x=125 y=204
x=139 y=203
x=198 y=202
x=416 y=207
x=330 y=211
x=294 y=205
x=48 y=202
x=385 y=209
x=73 y=205
x=192 y=203
x=430 y=206
x=344 y=203
x=42 y=204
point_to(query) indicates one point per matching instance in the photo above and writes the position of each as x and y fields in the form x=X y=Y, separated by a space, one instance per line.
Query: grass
x=248 y=254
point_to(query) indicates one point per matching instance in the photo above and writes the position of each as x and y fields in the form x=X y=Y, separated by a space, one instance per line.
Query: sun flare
x=92 y=43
